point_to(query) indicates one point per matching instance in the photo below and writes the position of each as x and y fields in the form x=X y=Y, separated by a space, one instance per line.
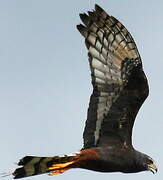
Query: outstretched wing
x=119 y=83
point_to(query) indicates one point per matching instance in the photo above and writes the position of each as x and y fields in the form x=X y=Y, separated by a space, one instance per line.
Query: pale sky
x=45 y=80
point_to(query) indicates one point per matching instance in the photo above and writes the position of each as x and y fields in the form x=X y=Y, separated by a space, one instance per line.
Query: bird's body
x=111 y=159
x=119 y=89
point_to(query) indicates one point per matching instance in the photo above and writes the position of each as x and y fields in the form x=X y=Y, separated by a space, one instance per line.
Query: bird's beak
x=153 y=168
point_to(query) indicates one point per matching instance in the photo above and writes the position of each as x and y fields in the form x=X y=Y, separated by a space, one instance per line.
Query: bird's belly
x=101 y=166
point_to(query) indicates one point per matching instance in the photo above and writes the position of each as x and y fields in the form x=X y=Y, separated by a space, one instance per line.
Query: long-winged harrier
x=119 y=89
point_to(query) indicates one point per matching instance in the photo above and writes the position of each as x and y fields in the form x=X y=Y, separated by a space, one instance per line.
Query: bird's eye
x=150 y=161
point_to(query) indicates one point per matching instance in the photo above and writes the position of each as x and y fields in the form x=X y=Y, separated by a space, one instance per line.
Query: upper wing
x=119 y=83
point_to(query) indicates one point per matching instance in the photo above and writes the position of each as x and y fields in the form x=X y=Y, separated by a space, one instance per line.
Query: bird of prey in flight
x=119 y=89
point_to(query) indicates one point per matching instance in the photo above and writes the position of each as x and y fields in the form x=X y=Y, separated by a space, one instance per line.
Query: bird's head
x=150 y=164
x=145 y=163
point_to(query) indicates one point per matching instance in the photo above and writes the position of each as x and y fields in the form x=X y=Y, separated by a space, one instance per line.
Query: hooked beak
x=153 y=168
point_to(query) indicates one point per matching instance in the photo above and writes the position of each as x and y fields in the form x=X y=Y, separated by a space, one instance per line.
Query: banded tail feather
x=33 y=165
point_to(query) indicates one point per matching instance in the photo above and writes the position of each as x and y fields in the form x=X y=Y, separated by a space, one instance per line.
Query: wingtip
x=83 y=16
x=82 y=29
x=90 y=13
x=79 y=27
x=98 y=8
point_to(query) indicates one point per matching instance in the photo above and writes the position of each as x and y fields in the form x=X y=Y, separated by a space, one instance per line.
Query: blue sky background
x=45 y=80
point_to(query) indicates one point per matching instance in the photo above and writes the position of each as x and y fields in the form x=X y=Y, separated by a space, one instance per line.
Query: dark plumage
x=119 y=89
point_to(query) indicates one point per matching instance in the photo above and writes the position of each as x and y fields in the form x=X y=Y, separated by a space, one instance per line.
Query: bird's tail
x=33 y=165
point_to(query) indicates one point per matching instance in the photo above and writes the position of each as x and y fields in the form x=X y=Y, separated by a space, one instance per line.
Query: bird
x=120 y=87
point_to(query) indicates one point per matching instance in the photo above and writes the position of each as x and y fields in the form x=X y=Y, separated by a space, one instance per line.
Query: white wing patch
x=102 y=76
